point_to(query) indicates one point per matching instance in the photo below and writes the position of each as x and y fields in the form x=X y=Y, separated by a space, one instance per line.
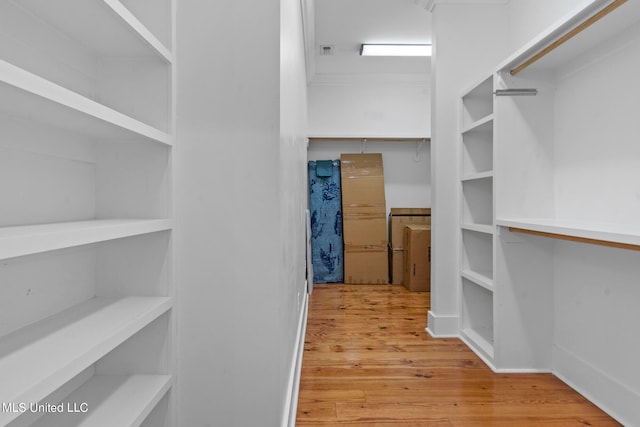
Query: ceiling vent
x=326 y=50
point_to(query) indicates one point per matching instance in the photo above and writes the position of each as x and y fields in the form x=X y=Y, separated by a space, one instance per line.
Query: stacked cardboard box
x=417 y=257
x=364 y=222
x=398 y=219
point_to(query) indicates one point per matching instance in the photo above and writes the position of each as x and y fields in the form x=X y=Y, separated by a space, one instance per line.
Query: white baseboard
x=604 y=391
x=293 y=386
x=443 y=326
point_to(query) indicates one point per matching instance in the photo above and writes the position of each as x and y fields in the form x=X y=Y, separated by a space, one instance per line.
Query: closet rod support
x=515 y=92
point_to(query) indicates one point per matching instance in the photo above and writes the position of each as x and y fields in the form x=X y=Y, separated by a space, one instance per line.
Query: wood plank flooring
x=369 y=362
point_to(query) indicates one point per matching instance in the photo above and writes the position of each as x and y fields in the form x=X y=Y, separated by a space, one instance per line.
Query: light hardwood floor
x=369 y=362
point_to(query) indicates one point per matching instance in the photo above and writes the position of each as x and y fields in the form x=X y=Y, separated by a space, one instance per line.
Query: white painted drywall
x=239 y=227
x=527 y=18
x=369 y=105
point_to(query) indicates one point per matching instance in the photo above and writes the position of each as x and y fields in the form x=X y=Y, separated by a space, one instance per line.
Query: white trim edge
x=293 y=385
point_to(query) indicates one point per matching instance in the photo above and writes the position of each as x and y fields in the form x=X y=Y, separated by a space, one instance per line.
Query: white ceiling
x=346 y=24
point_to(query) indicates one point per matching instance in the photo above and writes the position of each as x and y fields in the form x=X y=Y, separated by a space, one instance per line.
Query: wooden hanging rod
x=576 y=239
x=364 y=139
x=593 y=19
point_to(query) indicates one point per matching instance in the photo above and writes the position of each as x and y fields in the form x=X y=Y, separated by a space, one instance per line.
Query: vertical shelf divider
x=477 y=224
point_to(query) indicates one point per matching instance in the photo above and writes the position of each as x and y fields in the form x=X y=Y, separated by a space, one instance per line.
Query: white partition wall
x=469 y=39
x=86 y=136
x=240 y=219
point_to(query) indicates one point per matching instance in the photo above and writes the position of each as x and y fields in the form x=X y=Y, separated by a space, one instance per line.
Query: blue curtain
x=326 y=221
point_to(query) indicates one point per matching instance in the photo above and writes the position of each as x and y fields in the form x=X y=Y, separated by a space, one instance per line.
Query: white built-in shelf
x=32 y=239
x=477 y=278
x=617 y=21
x=107 y=27
x=477 y=201
x=476 y=220
x=112 y=400
x=618 y=235
x=138 y=30
x=87 y=96
x=480 y=228
x=477 y=255
x=477 y=105
x=477 y=342
x=485 y=124
x=477 y=149
x=39 y=358
x=477 y=319
x=30 y=96
x=478 y=175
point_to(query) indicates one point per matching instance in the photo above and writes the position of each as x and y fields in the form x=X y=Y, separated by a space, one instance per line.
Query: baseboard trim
x=293 y=386
x=484 y=357
x=604 y=391
x=443 y=326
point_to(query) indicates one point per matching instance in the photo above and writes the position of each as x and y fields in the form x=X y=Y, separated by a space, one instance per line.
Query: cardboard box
x=398 y=219
x=364 y=219
x=401 y=217
x=363 y=190
x=417 y=258
x=366 y=266
x=362 y=183
x=396 y=265
x=359 y=229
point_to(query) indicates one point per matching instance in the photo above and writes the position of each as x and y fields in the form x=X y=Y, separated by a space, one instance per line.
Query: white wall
x=469 y=41
x=239 y=230
x=527 y=18
x=370 y=105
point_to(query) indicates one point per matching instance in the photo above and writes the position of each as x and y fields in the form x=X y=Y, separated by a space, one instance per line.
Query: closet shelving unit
x=557 y=175
x=476 y=221
x=86 y=135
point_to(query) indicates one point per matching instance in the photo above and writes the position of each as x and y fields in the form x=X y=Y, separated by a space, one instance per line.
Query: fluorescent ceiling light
x=395 y=50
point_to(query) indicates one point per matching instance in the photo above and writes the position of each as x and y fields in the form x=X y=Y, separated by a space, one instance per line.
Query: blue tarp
x=325 y=206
